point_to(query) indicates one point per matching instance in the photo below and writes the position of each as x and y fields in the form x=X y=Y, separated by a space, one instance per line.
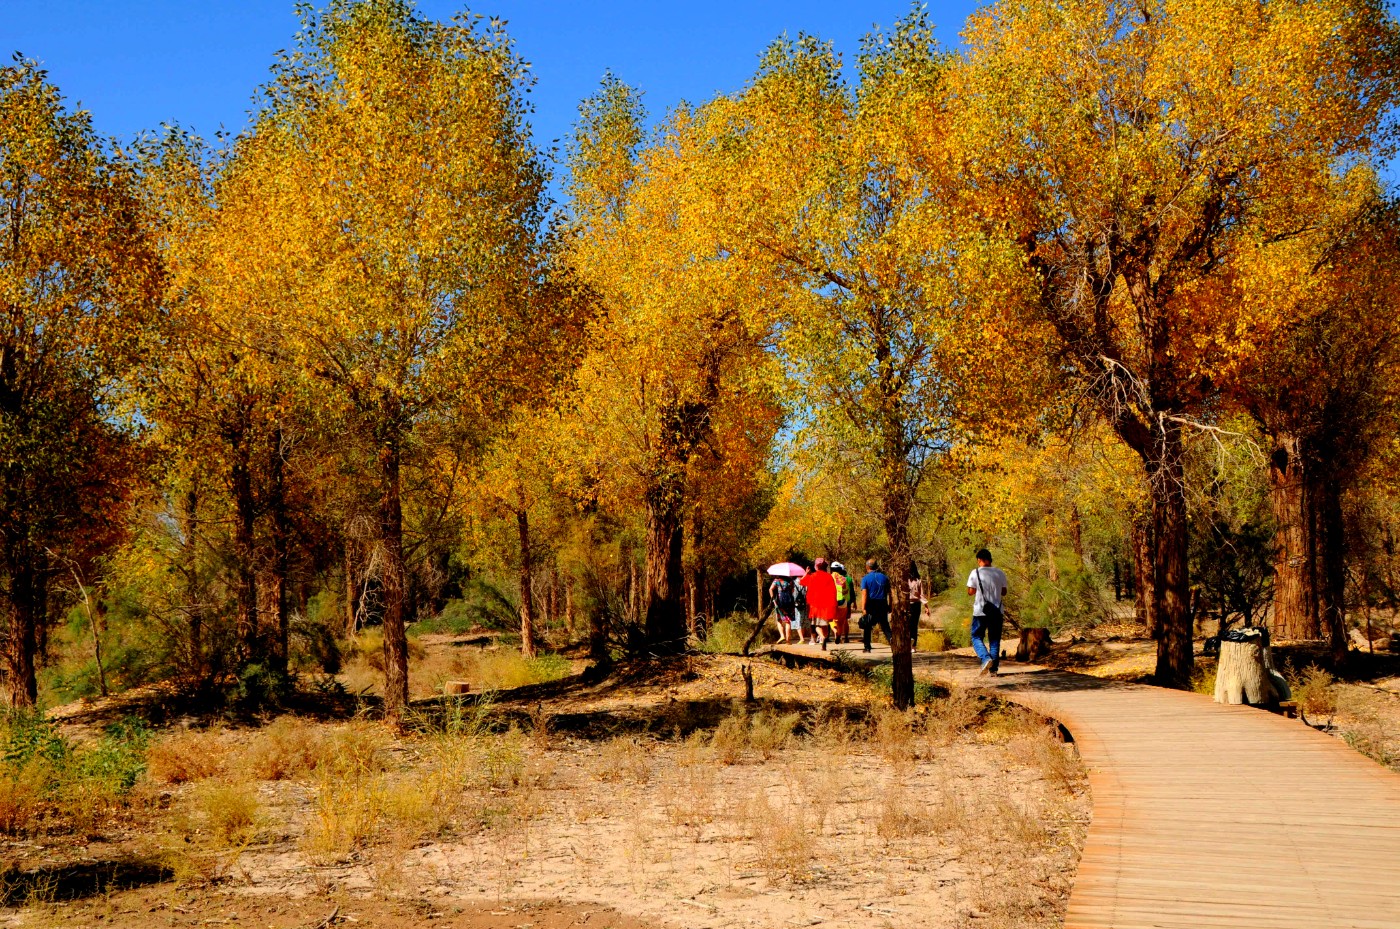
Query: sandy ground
x=628 y=818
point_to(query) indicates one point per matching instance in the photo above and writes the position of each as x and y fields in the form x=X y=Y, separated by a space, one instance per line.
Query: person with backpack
x=784 y=595
x=987 y=585
x=802 y=621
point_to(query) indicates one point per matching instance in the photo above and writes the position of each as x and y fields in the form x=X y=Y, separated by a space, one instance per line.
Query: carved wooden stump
x=1245 y=673
x=456 y=688
x=1034 y=643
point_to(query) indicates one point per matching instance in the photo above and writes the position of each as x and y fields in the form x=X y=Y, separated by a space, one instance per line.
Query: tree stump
x=1034 y=643
x=456 y=688
x=1245 y=674
x=746 y=671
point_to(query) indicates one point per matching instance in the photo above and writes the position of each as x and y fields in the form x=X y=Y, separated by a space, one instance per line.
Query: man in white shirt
x=987 y=585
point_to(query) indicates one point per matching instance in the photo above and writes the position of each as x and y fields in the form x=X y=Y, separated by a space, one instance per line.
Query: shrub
x=181 y=757
x=958 y=628
x=231 y=813
x=728 y=635
x=45 y=777
x=1315 y=692
x=623 y=758
x=481 y=606
x=314 y=647
x=934 y=640
x=763 y=734
x=506 y=668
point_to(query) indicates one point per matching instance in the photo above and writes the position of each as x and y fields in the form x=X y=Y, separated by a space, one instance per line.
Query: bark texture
x=394 y=586
x=1296 y=597
x=527 y=594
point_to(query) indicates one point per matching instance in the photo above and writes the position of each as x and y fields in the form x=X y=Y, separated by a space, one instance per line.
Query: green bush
x=45 y=779
x=882 y=679
x=958 y=628
x=481 y=606
x=728 y=635
x=1073 y=600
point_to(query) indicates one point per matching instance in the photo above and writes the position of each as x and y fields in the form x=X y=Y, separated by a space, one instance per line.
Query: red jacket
x=821 y=595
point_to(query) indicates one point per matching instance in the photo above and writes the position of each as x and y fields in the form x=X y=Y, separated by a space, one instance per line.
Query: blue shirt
x=876 y=586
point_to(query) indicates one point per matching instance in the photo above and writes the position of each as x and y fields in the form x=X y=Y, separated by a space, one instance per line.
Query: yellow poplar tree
x=390 y=202
x=680 y=329
x=848 y=194
x=1128 y=148
x=80 y=285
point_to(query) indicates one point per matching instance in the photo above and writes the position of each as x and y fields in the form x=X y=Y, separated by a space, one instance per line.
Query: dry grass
x=623 y=759
x=786 y=835
x=741 y=737
x=184 y=757
x=344 y=819
x=902 y=815
x=20 y=793
x=949 y=718
x=892 y=732
x=291 y=747
x=231 y=813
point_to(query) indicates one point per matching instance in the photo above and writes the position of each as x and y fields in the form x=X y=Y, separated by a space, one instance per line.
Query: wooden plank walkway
x=1208 y=816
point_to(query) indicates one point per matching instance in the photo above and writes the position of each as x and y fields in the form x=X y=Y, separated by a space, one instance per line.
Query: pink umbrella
x=787 y=569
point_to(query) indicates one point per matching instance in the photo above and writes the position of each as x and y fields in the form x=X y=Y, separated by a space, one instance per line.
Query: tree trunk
x=352 y=594
x=244 y=551
x=1144 y=604
x=569 y=606
x=1332 y=532
x=665 y=577
x=1171 y=595
x=897 y=498
x=1076 y=536
x=393 y=580
x=21 y=643
x=281 y=555
x=551 y=616
x=1051 y=541
x=1296 y=612
x=198 y=667
x=527 y=595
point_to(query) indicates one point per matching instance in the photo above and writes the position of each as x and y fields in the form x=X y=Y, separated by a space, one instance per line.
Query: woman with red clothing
x=821 y=599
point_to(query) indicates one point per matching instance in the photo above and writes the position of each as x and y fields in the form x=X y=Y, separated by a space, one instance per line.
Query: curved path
x=1209 y=816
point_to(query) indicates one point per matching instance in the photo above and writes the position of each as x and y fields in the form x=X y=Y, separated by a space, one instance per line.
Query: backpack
x=787 y=601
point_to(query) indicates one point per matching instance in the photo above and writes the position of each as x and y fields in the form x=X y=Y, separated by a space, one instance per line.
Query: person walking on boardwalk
x=917 y=599
x=845 y=602
x=987 y=585
x=783 y=592
x=821 y=600
x=875 y=601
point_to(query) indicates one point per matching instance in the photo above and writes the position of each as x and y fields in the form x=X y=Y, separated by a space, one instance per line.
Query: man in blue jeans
x=987 y=585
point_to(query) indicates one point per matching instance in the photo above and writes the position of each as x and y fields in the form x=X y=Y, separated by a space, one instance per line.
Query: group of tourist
x=817 y=607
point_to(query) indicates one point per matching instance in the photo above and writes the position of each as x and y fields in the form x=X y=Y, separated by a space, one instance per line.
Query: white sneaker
x=985 y=665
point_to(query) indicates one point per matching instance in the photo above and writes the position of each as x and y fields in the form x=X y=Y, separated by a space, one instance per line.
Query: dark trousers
x=877 y=613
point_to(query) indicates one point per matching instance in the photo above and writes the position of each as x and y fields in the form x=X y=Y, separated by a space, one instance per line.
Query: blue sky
x=135 y=65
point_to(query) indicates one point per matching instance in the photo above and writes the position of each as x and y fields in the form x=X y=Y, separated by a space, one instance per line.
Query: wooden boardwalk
x=1207 y=816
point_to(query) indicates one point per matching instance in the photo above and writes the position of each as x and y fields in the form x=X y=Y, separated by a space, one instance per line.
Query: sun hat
x=838 y=566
